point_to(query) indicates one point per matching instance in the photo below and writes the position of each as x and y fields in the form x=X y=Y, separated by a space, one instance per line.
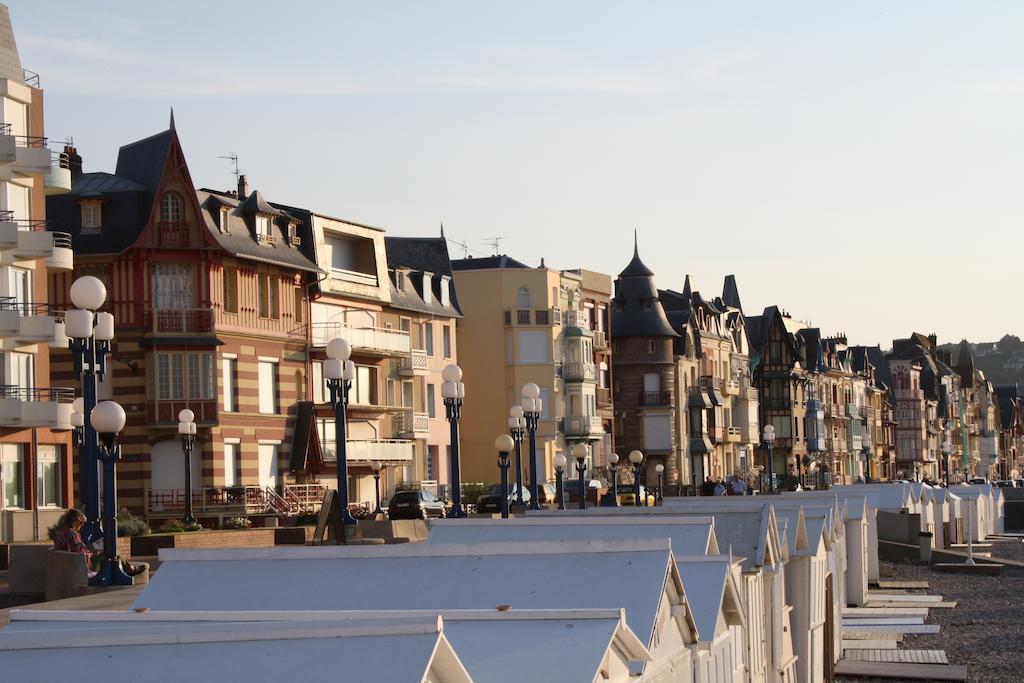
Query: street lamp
x=108 y=418
x=768 y=435
x=636 y=458
x=517 y=428
x=532 y=406
x=89 y=335
x=504 y=444
x=340 y=371
x=187 y=430
x=660 y=469
x=454 y=391
x=947 y=450
x=869 y=453
x=376 y=466
x=579 y=451
x=560 y=463
x=613 y=465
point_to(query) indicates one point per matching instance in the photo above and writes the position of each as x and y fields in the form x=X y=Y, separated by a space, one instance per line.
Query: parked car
x=627 y=494
x=415 y=505
x=977 y=480
x=1006 y=484
x=547 y=494
x=490 y=500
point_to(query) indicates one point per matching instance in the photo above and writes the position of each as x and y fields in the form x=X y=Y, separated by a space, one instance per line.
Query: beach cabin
x=151 y=647
x=638 y=575
x=719 y=614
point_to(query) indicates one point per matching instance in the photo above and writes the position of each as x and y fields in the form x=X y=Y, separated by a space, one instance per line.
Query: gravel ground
x=984 y=631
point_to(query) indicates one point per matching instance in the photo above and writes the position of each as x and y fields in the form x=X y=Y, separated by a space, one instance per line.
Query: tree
x=1009 y=343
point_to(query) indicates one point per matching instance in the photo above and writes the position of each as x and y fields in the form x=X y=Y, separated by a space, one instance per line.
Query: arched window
x=523 y=298
x=170 y=208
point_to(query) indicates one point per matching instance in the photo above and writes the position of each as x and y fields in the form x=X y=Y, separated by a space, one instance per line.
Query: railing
x=265 y=239
x=579 y=319
x=408 y=422
x=304 y=496
x=33 y=141
x=5 y=129
x=242 y=500
x=731 y=387
x=708 y=382
x=172 y=234
x=29 y=308
x=180 y=321
x=416 y=360
x=777 y=403
x=166 y=410
x=652 y=399
x=734 y=434
x=35 y=394
x=576 y=371
x=31 y=78
x=582 y=425
x=294 y=240
x=384 y=450
x=377 y=339
x=603 y=395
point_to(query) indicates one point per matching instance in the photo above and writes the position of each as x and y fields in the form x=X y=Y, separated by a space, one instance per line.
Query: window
x=523 y=317
x=523 y=299
x=231 y=463
x=446 y=341
x=263 y=225
x=231 y=290
x=300 y=305
x=268 y=386
x=428 y=337
x=364 y=387
x=228 y=369
x=48 y=476
x=400 y=280
x=21 y=287
x=430 y=466
x=170 y=208
x=225 y=215
x=267 y=291
x=170 y=376
x=651 y=348
x=91 y=216
x=431 y=401
x=172 y=286
x=200 y=376
x=545 y=407
x=543 y=317
x=12 y=472
x=267 y=464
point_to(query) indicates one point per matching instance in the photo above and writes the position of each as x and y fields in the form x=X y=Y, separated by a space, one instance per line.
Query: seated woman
x=69 y=538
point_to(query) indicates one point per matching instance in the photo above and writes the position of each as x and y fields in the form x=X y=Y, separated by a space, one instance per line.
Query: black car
x=415 y=505
x=490 y=500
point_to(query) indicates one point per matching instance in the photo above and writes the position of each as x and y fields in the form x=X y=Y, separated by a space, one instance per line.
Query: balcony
x=58 y=180
x=580 y=319
x=409 y=425
x=165 y=411
x=31 y=155
x=527 y=316
x=373 y=340
x=186 y=321
x=852 y=410
x=578 y=372
x=387 y=451
x=8 y=145
x=28 y=240
x=31 y=407
x=600 y=340
x=29 y=323
x=413 y=364
x=731 y=387
x=656 y=399
x=708 y=383
x=604 y=396
x=582 y=425
x=173 y=235
x=909 y=395
x=733 y=435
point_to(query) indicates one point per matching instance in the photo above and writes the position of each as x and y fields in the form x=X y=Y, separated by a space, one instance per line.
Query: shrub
x=237 y=523
x=307 y=519
x=130 y=525
x=470 y=492
x=176 y=526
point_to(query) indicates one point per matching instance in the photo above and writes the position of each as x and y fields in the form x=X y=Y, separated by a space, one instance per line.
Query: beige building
x=536 y=325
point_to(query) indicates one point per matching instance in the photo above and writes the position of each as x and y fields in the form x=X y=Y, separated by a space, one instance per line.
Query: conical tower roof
x=731 y=293
x=636 y=311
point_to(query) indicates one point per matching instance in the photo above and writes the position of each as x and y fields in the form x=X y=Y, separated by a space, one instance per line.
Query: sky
x=858 y=164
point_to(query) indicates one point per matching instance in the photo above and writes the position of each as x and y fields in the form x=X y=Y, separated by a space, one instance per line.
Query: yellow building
x=525 y=325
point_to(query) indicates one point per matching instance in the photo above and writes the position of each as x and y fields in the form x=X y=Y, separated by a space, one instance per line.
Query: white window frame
x=229 y=383
x=12 y=453
x=268 y=403
x=48 y=457
x=92 y=216
x=232 y=463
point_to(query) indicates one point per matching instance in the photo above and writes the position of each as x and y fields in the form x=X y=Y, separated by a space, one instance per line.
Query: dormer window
x=92 y=217
x=263 y=233
x=428 y=288
x=293 y=234
x=225 y=213
x=446 y=290
x=400 y=280
x=170 y=208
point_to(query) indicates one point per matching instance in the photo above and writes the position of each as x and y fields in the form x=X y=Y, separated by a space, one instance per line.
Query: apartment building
x=536 y=325
x=207 y=289
x=36 y=472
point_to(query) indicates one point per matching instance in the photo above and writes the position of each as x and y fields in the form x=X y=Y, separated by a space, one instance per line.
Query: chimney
x=74 y=161
x=243 y=188
x=933 y=339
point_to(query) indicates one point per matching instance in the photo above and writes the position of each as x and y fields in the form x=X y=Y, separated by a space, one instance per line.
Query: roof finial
x=442 y=229
x=636 y=247
x=172 y=119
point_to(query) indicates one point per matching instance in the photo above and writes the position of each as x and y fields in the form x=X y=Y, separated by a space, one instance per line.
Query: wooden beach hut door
x=830 y=635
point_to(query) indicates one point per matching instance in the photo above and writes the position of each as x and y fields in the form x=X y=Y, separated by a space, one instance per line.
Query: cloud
x=610 y=82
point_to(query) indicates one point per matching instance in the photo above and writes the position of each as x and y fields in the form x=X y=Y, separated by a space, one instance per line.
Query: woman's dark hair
x=70 y=517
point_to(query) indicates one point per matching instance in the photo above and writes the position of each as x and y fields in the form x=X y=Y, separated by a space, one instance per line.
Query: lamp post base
x=347 y=518
x=111 y=574
x=457 y=513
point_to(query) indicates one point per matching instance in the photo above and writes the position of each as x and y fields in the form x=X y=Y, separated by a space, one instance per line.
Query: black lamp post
x=517 y=428
x=187 y=430
x=89 y=336
x=579 y=452
x=532 y=407
x=636 y=458
x=504 y=445
x=768 y=435
x=560 y=462
x=376 y=467
x=613 y=465
x=340 y=371
x=109 y=419
x=660 y=469
x=454 y=392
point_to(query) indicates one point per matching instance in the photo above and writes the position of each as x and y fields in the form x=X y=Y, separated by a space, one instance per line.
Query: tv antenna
x=233 y=158
x=494 y=242
x=463 y=245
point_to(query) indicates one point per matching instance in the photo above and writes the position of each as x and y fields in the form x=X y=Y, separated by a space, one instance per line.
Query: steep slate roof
x=240 y=239
x=10 y=62
x=637 y=312
x=423 y=255
x=731 y=293
x=487 y=263
x=1005 y=395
